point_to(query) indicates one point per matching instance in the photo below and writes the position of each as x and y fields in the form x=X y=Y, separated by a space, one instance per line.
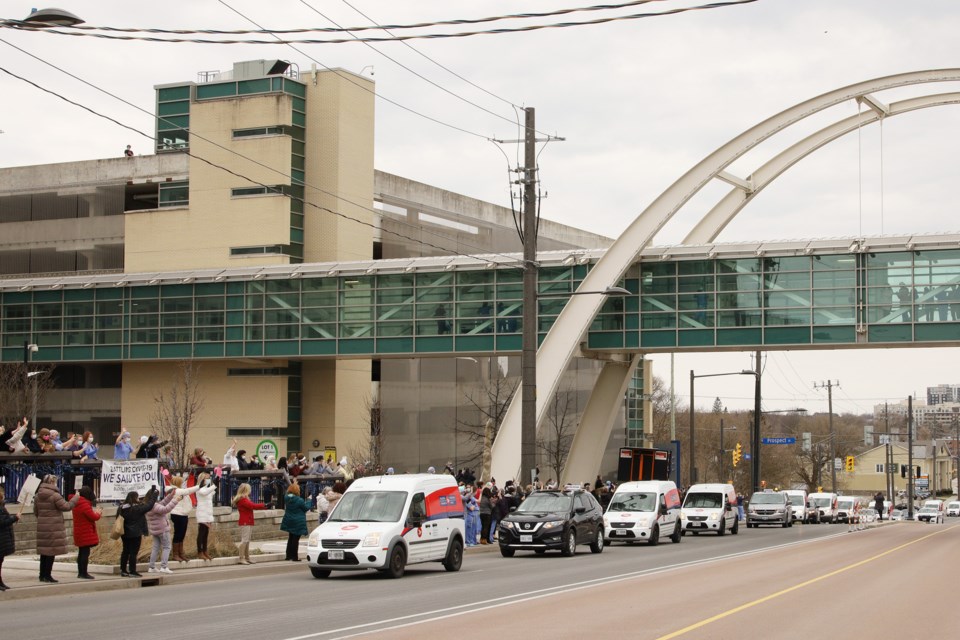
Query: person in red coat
x=246 y=506
x=85 y=516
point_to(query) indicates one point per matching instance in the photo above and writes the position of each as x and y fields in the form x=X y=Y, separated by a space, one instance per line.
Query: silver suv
x=769 y=507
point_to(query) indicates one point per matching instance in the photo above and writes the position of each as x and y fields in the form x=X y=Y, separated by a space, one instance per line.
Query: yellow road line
x=747 y=605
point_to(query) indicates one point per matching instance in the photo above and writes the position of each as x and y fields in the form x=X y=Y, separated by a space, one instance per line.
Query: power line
x=357 y=84
x=439 y=23
x=447 y=69
x=483 y=250
x=513 y=260
x=428 y=36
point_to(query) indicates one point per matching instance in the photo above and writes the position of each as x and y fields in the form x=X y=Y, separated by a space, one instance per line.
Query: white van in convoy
x=826 y=504
x=644 y=511
x=847 y=506
x=388 y=522
x=710 y=507
x=798 y=504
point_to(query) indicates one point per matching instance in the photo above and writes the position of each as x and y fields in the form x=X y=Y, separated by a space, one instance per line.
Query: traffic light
x=903 y=471
x=850 y=464
x=819 y=489
x=737 y=454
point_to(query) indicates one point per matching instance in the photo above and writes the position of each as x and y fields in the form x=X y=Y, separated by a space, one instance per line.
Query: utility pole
x=528 y=358
x=829 y=385
x=909 y=457
x=755 y=445
x=722 y=452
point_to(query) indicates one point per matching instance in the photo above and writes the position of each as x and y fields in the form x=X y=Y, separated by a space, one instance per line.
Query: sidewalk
x=20 y=573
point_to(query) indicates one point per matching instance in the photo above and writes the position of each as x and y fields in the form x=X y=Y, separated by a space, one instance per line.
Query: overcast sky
x=639 y=102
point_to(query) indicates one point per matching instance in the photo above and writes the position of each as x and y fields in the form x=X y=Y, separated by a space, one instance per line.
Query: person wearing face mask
x=55 y=439
x=204 y=513
x=142 y=449
x=33 y=443
x=45 y=445
x=122 y=450
x=90 y=448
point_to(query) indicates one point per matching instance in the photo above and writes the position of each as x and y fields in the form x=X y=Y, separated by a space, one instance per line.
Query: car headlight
x=506 y=524
x=606 y=522
x=314 y=539
x=714 y=517
x=683 y=516
x=553 y=525
x=372 y=540
x=779 y=511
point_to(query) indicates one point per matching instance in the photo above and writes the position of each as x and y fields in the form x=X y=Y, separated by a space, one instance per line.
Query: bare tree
x=176 y=409
x=660 y=404
x=17 y=397
x=489 y=402
x=366 y=454
x=556 y=436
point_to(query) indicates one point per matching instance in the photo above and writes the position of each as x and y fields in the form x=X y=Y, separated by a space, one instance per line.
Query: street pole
x=692 y=478
x=722 y=452
x=909 y=457
x=829 y=385
x=755 y=445
x=528 y=364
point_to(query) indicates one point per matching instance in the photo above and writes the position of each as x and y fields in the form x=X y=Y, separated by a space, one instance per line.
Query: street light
x=692 y=477
x=528 y=366
x=723 y=451
x=28 y=349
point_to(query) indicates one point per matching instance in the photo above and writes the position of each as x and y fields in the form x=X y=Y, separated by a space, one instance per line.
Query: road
x=704 y=587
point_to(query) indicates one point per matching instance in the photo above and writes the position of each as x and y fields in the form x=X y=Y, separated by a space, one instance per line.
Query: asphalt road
x=647 y=592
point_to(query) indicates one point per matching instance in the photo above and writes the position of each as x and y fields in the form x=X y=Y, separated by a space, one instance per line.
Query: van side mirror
x=415 y=520
x=512 y=509
x=663 y=509
x=580 y=510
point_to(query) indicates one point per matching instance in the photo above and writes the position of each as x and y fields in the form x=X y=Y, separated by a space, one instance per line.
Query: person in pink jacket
x=159 y=527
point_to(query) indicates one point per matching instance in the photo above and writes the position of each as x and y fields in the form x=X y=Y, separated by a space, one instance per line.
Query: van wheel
x=736 y=528
x=676 y=535
x=454 y=559
x=319 y=574
x=507 y=552
x=597 y=545
x=397 y=563
x=654 y=536
x=570 y=544
x=723 y=528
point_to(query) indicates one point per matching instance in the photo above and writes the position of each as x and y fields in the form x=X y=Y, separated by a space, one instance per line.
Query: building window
x=878 y=468
x=253 y=251
x=256 y=191
x=174 y=194
x=243 y=432
x=258 y=131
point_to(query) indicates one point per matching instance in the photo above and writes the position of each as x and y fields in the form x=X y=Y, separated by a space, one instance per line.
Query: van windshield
x=369 y=506
x=703 y=501
x=767 y=498
x=633 y=502
x=822 y=502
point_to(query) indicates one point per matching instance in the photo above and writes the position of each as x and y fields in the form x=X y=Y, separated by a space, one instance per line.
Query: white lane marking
x=463 y=609
x=215 y=606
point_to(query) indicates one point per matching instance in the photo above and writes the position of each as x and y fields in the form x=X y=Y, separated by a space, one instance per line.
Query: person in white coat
x=181 y=516
x=204 y=513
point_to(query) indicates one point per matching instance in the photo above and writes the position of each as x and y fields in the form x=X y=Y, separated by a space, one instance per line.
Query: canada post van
x=798 y=504
x=643 y=511
x=826 y=504
x=388 y=522
x=847 y=506
x=710 y=507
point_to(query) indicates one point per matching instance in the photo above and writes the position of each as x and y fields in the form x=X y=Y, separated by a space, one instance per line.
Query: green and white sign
x=267 y=448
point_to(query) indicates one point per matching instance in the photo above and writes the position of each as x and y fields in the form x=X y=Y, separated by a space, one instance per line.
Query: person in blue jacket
x=294 y=520
x=471 y=516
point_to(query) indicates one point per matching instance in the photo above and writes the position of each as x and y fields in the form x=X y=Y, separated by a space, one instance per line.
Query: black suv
x=553 y=520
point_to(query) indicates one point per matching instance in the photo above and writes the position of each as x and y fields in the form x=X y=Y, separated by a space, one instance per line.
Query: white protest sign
x=267 y=449
x=28 y=490
x=120 y=477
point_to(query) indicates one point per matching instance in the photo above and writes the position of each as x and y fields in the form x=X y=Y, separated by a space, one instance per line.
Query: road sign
x=779 y=441
x=923 y=483
x=837 y=464
x=747 y=456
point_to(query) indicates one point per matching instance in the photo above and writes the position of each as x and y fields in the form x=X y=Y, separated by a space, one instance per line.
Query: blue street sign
x=779 y=441
x=746 y=456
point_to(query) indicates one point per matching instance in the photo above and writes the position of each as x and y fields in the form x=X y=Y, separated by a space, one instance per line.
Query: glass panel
x=787 y=316
x=173 y=93
x=260 y=85
x=789 y=280
x=797 y=263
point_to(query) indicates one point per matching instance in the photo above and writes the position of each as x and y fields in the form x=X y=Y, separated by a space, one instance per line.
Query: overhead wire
x=416 y=73
x=512 y=260
x=55 y=29
x=395 y=27
x=361 y=85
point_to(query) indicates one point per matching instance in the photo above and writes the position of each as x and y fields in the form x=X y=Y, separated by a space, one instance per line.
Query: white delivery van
x=953 y=508
x=847 y=506
x=710 y=507
x=644 y=511
x=798 y=504
x=826 y=504
x=388 y=522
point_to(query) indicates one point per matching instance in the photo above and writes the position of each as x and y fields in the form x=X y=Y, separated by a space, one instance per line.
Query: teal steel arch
x=564 y=338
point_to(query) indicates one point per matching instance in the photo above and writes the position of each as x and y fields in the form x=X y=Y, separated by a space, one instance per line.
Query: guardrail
x=265 y=486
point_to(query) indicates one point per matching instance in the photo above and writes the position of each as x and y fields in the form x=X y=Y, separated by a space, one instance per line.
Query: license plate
x=335 y=555
x=618 y=532
x=526 y=538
